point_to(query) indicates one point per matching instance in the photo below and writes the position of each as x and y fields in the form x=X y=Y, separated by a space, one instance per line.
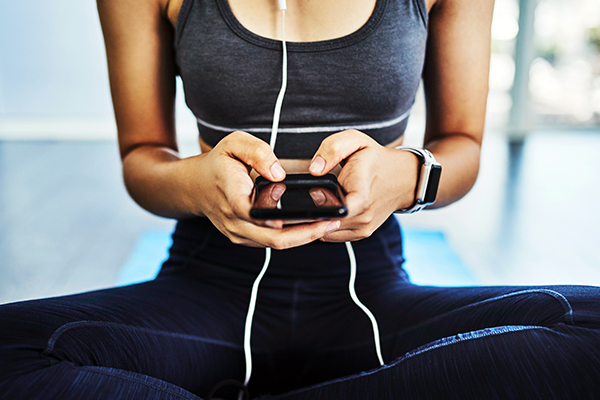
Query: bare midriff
x=297 y=166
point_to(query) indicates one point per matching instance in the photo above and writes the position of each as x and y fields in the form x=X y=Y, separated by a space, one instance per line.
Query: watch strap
x=427 y=181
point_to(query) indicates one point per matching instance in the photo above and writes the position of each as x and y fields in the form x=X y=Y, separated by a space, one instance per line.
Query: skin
x=218 y=183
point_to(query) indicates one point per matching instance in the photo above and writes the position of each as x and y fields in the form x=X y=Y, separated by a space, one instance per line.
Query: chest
x=232 y=75
x=373 y=70
x=305 y=20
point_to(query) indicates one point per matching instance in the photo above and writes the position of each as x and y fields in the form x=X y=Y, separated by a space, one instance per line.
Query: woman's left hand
x=377 y=180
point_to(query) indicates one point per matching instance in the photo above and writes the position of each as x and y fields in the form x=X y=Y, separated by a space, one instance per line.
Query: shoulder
x=133 y=8
x=137 y=17
x=445 y=13
x=434 y=5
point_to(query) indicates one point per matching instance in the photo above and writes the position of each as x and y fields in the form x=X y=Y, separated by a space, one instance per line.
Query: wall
x=53 y=77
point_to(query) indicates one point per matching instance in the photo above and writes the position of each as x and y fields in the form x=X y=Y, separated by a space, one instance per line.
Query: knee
x=570 y=304
x=527 y=307
x=584 y=303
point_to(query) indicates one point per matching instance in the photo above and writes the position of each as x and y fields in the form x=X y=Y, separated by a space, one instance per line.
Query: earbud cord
x=351 y=256
x=352 y=290
x=254 y=293
x=279 y=102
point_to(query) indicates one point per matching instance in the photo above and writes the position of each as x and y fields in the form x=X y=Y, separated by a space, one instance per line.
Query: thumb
x=336 y=148
x=255 y=153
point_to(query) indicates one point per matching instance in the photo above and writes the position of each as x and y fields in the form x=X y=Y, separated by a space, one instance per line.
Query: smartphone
x=299 y=197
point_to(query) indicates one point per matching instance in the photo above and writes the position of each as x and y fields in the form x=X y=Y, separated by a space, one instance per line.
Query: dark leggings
x=180 y=335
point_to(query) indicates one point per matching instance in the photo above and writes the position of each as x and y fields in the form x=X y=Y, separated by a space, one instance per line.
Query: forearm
x=158 y=180
x=459 y=156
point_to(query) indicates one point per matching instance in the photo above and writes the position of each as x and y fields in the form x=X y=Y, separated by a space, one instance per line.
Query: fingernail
x=317 y=165
x=332 y=226
x=277 y=171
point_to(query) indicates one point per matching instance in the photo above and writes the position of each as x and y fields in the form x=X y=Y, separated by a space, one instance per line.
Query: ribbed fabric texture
x=181 y=334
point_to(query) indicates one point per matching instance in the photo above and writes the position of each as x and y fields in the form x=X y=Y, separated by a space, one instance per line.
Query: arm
x=456 y=87
x=142 y=80
x=216 y=184
x=380 y=180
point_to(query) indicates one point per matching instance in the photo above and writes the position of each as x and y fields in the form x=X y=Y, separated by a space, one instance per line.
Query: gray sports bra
x=366 y=80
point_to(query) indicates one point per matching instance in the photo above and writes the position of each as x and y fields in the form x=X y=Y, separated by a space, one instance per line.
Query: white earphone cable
x=250 y=315
x=352 y=291
x=280 y=96
x=351 y=256
x=254 y=293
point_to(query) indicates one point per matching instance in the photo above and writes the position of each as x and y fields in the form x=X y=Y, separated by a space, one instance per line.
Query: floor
x=67 y=224
x=533 y=216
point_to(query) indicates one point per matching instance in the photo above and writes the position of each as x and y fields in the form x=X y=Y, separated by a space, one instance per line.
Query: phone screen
x=298 y=197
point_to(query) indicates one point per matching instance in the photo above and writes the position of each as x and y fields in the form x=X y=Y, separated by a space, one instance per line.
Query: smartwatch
x=428 y=180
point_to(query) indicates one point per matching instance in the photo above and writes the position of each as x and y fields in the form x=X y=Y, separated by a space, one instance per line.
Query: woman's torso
x=204 y=32
x=361 y=69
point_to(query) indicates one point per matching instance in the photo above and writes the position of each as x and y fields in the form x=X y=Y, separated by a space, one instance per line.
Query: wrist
x=189 y=187
x=408 y=176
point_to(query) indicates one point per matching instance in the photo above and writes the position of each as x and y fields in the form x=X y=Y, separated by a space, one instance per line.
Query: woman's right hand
x=222 y=187
x=217 y=184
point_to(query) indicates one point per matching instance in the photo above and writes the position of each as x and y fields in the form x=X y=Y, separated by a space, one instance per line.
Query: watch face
x=433 y=183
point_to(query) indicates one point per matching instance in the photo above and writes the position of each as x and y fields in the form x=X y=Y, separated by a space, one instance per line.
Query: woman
x=354 y=68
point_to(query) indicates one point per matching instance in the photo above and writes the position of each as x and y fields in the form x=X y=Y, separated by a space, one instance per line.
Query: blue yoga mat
x=144 y=261
x=430 y=260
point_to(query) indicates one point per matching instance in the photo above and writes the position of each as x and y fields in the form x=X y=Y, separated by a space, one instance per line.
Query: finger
x=254 y=152
x=274 y=223
x=349 y=231
x=237 y=190
x=290 y=235
x=336 y=148
x=341 y=235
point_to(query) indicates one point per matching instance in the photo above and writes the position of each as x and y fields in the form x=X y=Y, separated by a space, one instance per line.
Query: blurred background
x=67 y=224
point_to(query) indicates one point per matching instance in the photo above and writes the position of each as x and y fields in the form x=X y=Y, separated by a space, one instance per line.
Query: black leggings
x=181 y=334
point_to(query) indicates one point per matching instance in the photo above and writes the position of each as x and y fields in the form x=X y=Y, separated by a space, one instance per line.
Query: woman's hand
x=224 y=192
x=378 y=181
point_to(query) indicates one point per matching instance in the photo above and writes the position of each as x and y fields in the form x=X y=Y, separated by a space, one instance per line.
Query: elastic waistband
x=200 y=248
